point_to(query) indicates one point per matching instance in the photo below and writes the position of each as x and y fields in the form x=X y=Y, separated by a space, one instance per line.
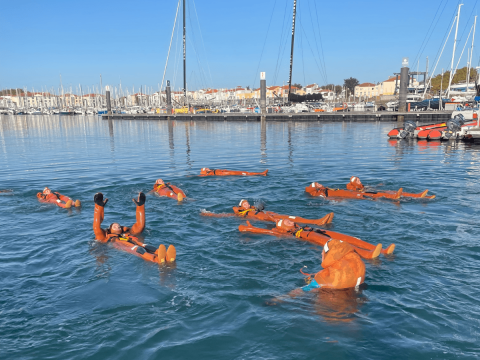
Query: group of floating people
x=342 y=254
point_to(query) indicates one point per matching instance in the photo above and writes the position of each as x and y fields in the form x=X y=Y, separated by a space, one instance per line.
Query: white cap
x=241 y=201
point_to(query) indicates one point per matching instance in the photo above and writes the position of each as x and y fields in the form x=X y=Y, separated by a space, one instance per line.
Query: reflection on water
x=112 y=137
x=338 y=305
x=187 y=139
x=263 y=140
x=290 y=144
x=100 y=252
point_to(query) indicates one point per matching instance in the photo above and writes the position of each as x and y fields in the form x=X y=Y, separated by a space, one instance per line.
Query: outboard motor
x=408 y=129
x=454 y=125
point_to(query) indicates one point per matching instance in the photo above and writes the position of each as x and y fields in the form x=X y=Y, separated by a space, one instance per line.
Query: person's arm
x=139 y=226
x=98 y=215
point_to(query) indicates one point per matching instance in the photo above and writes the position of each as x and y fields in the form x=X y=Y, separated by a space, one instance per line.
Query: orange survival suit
x=258 y=214
x=168 y=190
x=221 y=172
x=126 y=240
x=47 y=196
x=316 y=189
x=98 y=215
x=320 y=237
x=356 y=185
x=342 y=267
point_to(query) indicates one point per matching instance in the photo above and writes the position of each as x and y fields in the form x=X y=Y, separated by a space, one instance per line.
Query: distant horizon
x=228 y=44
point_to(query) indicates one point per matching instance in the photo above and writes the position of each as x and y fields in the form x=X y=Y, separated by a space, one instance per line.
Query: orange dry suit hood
x=342 y=266
x=282 y=226
x=205 y=171
x=355 y=184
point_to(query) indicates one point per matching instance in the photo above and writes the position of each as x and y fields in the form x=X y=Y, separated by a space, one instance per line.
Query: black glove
x=141 y=199
x=98 y=199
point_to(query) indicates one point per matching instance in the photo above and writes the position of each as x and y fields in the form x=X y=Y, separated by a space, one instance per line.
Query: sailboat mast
x=453 y=53
x=291 y=52
x=471 y=53
x=184 y=55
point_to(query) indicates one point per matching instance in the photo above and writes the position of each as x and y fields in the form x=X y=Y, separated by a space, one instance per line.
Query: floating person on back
x=166 y=189
x=286 y=227
x=47 y=196
x=218 y=172
x=244 y=209
x=356 y=190
x=123 y=237
x=356 y=185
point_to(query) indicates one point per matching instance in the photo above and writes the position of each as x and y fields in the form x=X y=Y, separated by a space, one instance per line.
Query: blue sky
x=228 y=42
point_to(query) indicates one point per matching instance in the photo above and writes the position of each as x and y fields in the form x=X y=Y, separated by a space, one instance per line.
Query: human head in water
x=354 y=180
x=244 y=204
x=159 y=182
x=286 y=224
x=116 y=228
x=204 y=171
x=47 y=191
x=317 y=185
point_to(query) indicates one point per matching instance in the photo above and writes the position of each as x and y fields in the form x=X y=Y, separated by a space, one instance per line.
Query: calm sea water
x=64 y=296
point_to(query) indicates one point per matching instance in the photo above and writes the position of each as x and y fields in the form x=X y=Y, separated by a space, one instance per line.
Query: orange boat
x=221 y=172
x=319 y=237
x=256 y=213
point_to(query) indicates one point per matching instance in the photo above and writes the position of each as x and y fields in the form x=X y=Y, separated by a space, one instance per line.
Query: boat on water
x=67 y=112
x=455 y=127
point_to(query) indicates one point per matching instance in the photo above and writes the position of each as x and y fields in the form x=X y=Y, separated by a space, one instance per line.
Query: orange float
x=123 y=238
x=220 y=172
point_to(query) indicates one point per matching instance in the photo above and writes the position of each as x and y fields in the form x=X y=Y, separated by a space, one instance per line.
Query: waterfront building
x=365 y=89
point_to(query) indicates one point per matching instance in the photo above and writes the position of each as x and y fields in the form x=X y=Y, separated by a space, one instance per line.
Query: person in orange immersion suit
x=335 y=285
x=244 y=209
x=317 y=189
x=168 y=190
x=47 y=196
x=320 y=237
x=342 y=269
x=123 y=237
x=221 y=172
x=356 y=185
